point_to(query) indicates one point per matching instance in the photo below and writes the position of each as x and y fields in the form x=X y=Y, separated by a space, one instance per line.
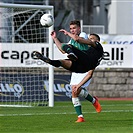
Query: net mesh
x=22 y=84
x=21 y=25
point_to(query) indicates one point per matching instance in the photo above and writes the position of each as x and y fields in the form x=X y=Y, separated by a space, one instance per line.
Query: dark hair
x=77 y=22
x=97 y=36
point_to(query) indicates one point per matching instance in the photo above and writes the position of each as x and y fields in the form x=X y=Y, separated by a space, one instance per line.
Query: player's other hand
x=64 y=31
x=75 y=89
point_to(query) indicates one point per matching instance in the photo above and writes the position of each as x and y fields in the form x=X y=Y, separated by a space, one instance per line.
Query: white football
x=47 y=20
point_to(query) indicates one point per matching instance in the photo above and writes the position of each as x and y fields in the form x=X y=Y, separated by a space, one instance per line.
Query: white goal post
x=20 y=34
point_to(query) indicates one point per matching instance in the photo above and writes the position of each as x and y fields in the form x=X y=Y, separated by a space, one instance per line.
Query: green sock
x=77 y=106
x=78 y=110
x=89 y=98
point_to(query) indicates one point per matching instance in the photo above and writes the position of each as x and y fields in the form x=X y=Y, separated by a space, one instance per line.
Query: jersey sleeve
x=69 y=42
x=98 y=45
x=83 y=35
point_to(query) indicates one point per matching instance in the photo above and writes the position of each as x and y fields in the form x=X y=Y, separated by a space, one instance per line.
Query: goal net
x=22 y=75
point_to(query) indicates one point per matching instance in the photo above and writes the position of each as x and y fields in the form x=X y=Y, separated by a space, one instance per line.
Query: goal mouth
x=22 y=75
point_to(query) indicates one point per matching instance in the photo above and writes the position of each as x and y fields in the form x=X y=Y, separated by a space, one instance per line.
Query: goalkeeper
x=83 y=54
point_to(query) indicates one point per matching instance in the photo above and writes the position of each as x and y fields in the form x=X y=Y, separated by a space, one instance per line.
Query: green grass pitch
x=116 y=117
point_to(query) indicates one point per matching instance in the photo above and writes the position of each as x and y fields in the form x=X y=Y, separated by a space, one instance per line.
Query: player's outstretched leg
x=41 y=57
x=56 y=63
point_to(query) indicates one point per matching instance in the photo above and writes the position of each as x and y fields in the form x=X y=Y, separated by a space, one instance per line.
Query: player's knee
x=83 y=93
x=66 y=48
x=74 y=94
x=63 y=45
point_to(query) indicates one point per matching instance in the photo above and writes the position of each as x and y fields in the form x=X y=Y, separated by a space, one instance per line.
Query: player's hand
x=75 y=88
x=53 y=34
x=64 y=31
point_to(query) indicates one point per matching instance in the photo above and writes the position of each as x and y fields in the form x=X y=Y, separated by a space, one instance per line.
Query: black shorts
x=79 y=68
x=85 y=62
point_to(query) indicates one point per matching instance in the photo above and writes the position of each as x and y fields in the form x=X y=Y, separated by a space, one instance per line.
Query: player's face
x=74 y=29
x=93 y=38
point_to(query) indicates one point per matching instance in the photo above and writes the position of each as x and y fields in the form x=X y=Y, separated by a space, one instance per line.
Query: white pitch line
x=64 y=106
x=117 y=105
x=64 y=113
x=111 y=105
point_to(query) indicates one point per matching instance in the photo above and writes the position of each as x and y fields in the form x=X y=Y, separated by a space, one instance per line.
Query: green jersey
x=80 y=46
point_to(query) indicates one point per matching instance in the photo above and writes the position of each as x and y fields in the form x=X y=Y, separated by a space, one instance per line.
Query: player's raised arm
x=86 y=41
x=79 y=39
x=57 y=42
x=73 y=36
